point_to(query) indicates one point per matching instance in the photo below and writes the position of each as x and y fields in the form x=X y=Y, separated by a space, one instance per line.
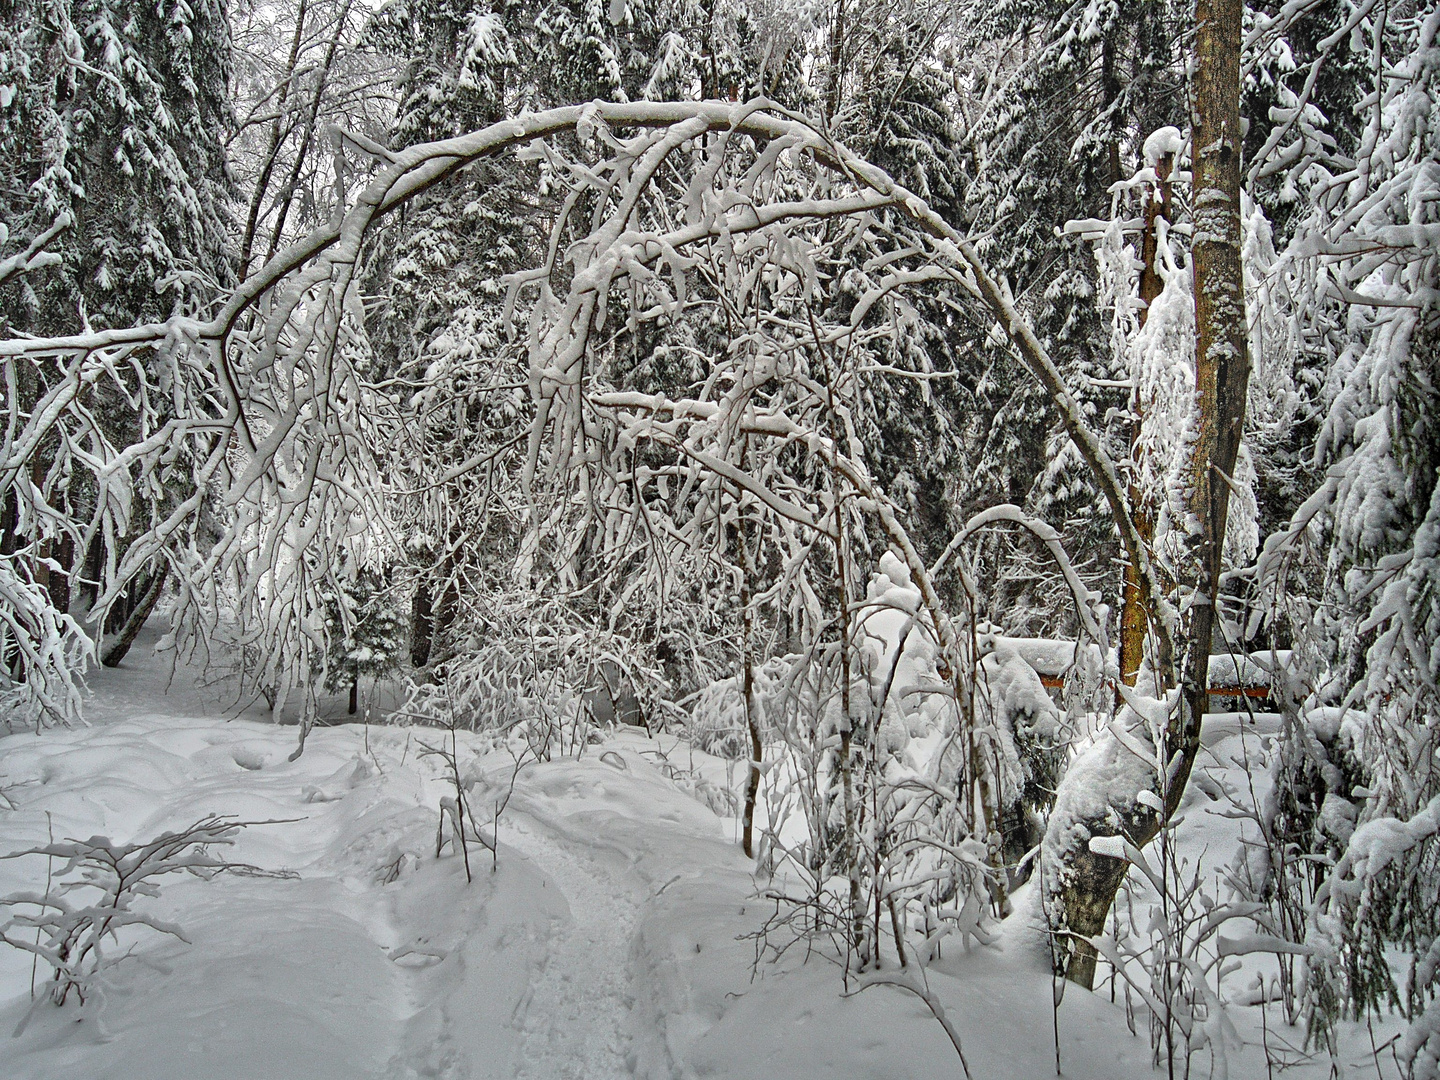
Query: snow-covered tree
x=1351 y=578
x=1058 y=100
x=114 y=210
x=298 y=69
x=113 y=116
x=367 y=635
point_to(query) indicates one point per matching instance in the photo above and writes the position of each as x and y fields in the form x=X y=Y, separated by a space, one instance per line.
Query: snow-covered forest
x=743 y=538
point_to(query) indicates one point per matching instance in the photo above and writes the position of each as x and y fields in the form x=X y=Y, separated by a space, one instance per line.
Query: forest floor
x=611 y=937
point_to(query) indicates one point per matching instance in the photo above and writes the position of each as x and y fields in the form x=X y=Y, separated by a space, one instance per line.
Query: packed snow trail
x=577 y=1013
x=371 y=958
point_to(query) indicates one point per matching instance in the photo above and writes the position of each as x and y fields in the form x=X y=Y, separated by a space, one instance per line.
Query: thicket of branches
x=641 y=391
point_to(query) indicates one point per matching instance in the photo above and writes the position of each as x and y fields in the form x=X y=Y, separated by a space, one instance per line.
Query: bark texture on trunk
x=1222 y=358
x=420 y=623
x=1222 y=374
x=752 y=708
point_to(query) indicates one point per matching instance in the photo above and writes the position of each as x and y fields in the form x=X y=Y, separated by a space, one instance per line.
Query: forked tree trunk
x=1089 y=881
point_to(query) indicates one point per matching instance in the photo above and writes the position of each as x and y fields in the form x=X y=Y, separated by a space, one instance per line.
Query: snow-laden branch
x=34 y=257
x=1093 y=617
x=744 y=210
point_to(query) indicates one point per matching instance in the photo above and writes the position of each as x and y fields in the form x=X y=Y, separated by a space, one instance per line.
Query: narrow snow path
x=576 y=1017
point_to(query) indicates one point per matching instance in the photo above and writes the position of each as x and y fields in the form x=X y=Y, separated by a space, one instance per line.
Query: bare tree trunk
x=1222 y=356
x=116 y=652
x=752 y=718
x=354 y=691
x=752 y=707
x=9 y=521
x=837 y=61
x=1222 y=373
x=447 y=606
x=420 y=622
x=1110 y=90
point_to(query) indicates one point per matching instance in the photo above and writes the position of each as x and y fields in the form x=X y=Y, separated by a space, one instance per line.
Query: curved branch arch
x=281 y=369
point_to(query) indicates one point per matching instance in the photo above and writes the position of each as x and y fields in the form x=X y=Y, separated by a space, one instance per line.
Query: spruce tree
x=114 y=113
x=367 y=634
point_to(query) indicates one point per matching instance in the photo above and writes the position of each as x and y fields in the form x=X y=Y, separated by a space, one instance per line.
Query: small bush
x=79 y=917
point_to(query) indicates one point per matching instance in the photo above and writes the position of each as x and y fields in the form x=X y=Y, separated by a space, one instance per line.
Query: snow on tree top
x=1163 y=142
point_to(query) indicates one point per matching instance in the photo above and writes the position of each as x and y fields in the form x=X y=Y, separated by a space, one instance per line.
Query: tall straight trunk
x=420 y=622
x=9 y=521
x=94 y=567
x=846 y=763
x=1222 y=375
x=1110 y=89
x=1222 y=356
x=59 y=580
x=447 y=606
x=752 y=707
x=837 y=60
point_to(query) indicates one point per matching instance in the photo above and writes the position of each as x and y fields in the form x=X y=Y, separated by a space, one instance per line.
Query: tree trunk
x=1110 y=91
x=837 y=60
x=1222 y=358
x=420 y=622
x=9 y=523
x=752 y=718
x=1089 y=881
x=116 y=652
x=93 y=568
x=354 y=691
x=1134 y=622
x=446 y=609
x=59 y=581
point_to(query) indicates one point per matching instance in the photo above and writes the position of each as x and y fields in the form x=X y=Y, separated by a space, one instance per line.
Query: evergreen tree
x=114 y=113
x=1060 y=97
x=367 y=634
x=113 y=121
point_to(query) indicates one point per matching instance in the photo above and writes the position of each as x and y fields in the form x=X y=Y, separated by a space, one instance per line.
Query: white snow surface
x=610 y=942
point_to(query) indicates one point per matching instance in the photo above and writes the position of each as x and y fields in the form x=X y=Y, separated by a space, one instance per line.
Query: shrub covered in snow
x=83 y=919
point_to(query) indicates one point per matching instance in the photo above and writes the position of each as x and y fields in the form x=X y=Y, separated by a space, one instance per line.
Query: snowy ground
x=608 y=943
